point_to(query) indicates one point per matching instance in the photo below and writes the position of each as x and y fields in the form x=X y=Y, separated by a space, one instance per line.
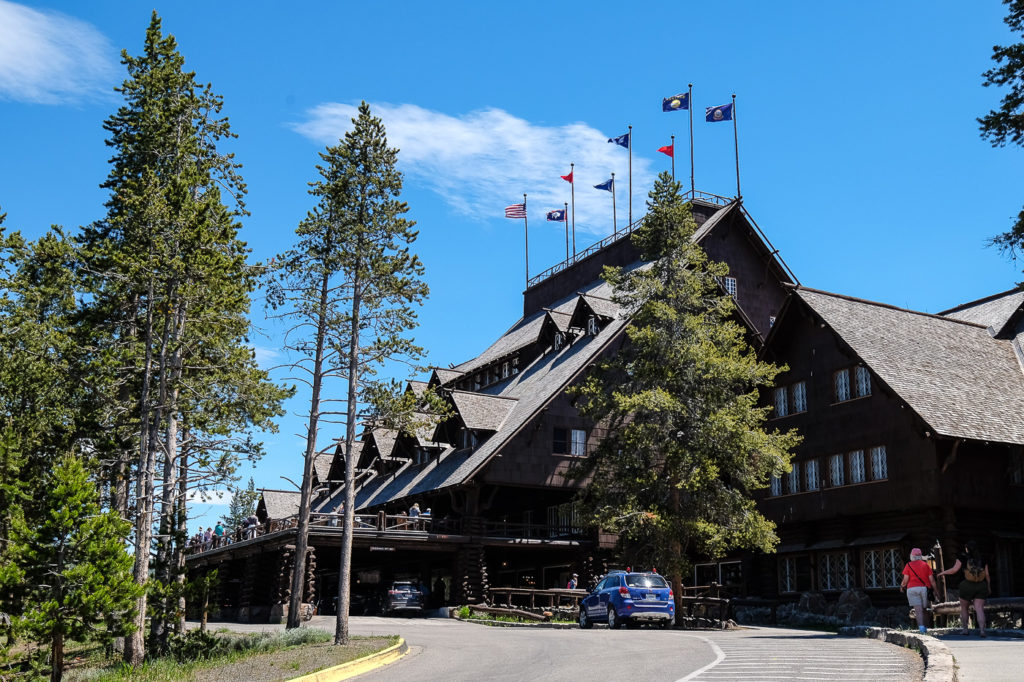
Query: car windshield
x=404 y=588
x=645 y=580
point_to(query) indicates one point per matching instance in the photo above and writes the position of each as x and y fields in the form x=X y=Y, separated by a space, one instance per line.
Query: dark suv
x=403 y=595
x=630 y=598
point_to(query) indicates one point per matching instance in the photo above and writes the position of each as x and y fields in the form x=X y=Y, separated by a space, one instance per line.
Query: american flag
x=516 y=211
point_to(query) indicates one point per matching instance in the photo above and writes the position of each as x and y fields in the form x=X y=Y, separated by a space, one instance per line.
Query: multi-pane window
x=882 y=568
x=857 y=467
x=775 y=486
x=863 y=381
x=578 y=445
x=800 y=396
x=730 y=286
x=842 y=385
x=781 y=402
x=505 y=370
x=836 y=471
x=811 y=469
x=879 y=464
x=794 y=478
x=835 y=571
x=787 y=574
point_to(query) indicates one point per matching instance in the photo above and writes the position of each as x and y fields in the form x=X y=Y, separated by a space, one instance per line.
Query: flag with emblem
x=516 y=211
x=606 y=185
x=676 y=102
x=557 y=216
x=722 y=112
x=621 y=140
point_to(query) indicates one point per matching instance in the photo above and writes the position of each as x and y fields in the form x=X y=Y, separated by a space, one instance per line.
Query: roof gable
x=482 y=412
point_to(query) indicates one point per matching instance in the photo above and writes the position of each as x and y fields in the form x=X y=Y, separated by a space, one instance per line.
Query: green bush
x=194 y=645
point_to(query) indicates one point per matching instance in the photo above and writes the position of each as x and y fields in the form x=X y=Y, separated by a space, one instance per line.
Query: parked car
x=630 y=599
x=403 y=595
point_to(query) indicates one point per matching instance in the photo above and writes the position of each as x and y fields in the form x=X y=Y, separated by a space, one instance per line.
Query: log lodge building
x=913 y=430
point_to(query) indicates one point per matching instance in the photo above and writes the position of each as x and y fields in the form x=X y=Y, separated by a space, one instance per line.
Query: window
x=559 y=340
x=578 y=445
x=836 y=471
x=857 y=466
x=794 y=478
x=771 y=321
x=504 y=370
x=842 y=383
x=563 y=520
x=800 y=396
x=730 y=286
x=781 y=402
x=592 y=325
x=467 y=439
x=775 y=486
x=811 y=469
x=863 y=382
x=835 y=571
x=787 y=574
x=879 y=465
x=882 y=568
x=515 y=366
x=560 y=442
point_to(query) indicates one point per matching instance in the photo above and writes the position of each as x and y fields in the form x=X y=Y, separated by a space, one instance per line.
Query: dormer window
x=515 y=366
x=559 y=340
x=467 y=439
x=592 y=325
x=505 y=370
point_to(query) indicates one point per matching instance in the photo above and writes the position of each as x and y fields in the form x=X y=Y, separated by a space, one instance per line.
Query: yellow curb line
x=359 y=666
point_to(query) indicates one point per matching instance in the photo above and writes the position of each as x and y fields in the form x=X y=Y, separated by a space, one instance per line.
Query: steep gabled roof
x=443 y=376
x=385 y=440
x=280 y=504
x=482 y=412
x=322 y=466
x=995 y=312
x=960 y=380
x=523 y=333
x=418 y=387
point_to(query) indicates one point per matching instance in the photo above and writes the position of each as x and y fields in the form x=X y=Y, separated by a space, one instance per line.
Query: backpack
x=974 y=571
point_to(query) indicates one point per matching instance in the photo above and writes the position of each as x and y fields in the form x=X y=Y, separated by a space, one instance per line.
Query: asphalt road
x=994 y=659
x=449 y=651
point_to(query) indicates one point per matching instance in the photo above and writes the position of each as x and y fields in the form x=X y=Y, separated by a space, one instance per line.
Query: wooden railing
x=521 y=596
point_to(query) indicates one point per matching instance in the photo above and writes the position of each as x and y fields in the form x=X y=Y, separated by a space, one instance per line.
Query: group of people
x=975 y=586
x=218 y=536
x=419 y=519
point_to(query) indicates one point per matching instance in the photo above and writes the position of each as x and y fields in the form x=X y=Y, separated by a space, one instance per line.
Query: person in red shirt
x=917 y=578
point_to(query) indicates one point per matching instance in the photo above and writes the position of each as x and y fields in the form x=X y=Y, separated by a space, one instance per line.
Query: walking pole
x=689 y=100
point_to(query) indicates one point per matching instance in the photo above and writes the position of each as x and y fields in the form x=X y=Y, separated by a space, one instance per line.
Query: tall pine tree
x=169 y=292
x=685 y=444
x=349 y=291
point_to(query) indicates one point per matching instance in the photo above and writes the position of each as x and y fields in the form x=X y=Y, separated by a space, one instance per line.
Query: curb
x=938 y=660
x=359 y=666
x=507 y=624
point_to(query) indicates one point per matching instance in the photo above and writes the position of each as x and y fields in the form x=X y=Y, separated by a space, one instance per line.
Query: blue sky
x=859 y=151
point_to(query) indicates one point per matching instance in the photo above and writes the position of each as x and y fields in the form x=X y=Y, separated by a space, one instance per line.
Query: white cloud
x=482 y=161
x=48 y=57
x=266 y=357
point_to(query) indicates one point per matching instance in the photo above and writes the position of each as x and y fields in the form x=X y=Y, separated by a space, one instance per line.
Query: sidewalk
x=997 y=658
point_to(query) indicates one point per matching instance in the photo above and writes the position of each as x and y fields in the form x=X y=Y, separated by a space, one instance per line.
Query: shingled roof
x=482 y=412
x=280 y=504
x=322 y=466
x=960 y=380
x=993 y=311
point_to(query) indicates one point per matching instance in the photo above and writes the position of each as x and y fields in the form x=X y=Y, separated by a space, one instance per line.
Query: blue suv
x=630 y=598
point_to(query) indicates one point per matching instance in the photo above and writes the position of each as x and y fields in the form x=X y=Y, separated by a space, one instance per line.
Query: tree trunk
x=57 y=657
x=302 y=532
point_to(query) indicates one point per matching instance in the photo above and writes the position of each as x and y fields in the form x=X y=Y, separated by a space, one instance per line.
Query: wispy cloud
x=484 y=160
x=48 y=57
x=266 y=357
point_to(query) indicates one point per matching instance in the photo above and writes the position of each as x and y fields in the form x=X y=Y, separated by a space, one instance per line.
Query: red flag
x=567 y=178
x=668 y=150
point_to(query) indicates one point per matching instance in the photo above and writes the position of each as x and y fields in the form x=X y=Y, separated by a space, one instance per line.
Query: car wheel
x=668 y=624
x=613 y=619
x=585 y=622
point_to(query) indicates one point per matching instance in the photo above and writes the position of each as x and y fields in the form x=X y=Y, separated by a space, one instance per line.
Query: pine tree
x=685 y=444
x=169 y=292
x=77 y=566
x=349 y=291
x=242 y=505
x=1005 y=125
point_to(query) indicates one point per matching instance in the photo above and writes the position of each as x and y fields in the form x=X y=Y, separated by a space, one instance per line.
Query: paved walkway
x=997 y=658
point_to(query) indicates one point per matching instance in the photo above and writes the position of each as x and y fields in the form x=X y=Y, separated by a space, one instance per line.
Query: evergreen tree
x=685 y=444
x=242 y=505
x=1005 y=125
x=77 y=566
x=348 y=290
x=169 y=292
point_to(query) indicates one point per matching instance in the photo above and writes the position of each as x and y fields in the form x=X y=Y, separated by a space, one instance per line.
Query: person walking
x=573 y=582
x=218 y=535
x=917 y=578
x=975 y=587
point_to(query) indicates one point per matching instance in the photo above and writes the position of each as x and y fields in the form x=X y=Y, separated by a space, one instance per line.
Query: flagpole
x=615 y=224
x=572 y=195
x=526 y=232
x=630 y=174
x=689 y=101
x=565 y=219
x=736 y=146
x=673 y=145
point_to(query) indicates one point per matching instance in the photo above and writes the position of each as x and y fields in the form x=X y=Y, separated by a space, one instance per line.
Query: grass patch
x=242 y=657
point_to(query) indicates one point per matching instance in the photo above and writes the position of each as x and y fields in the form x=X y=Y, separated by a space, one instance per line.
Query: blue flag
x=719 y=113
x=676 y=102
x=621 y=140
x=557 y=216
x=606 y=185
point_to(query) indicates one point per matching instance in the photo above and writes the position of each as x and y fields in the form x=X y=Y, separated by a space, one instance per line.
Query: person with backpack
x=975 y=587
x=917 y=579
